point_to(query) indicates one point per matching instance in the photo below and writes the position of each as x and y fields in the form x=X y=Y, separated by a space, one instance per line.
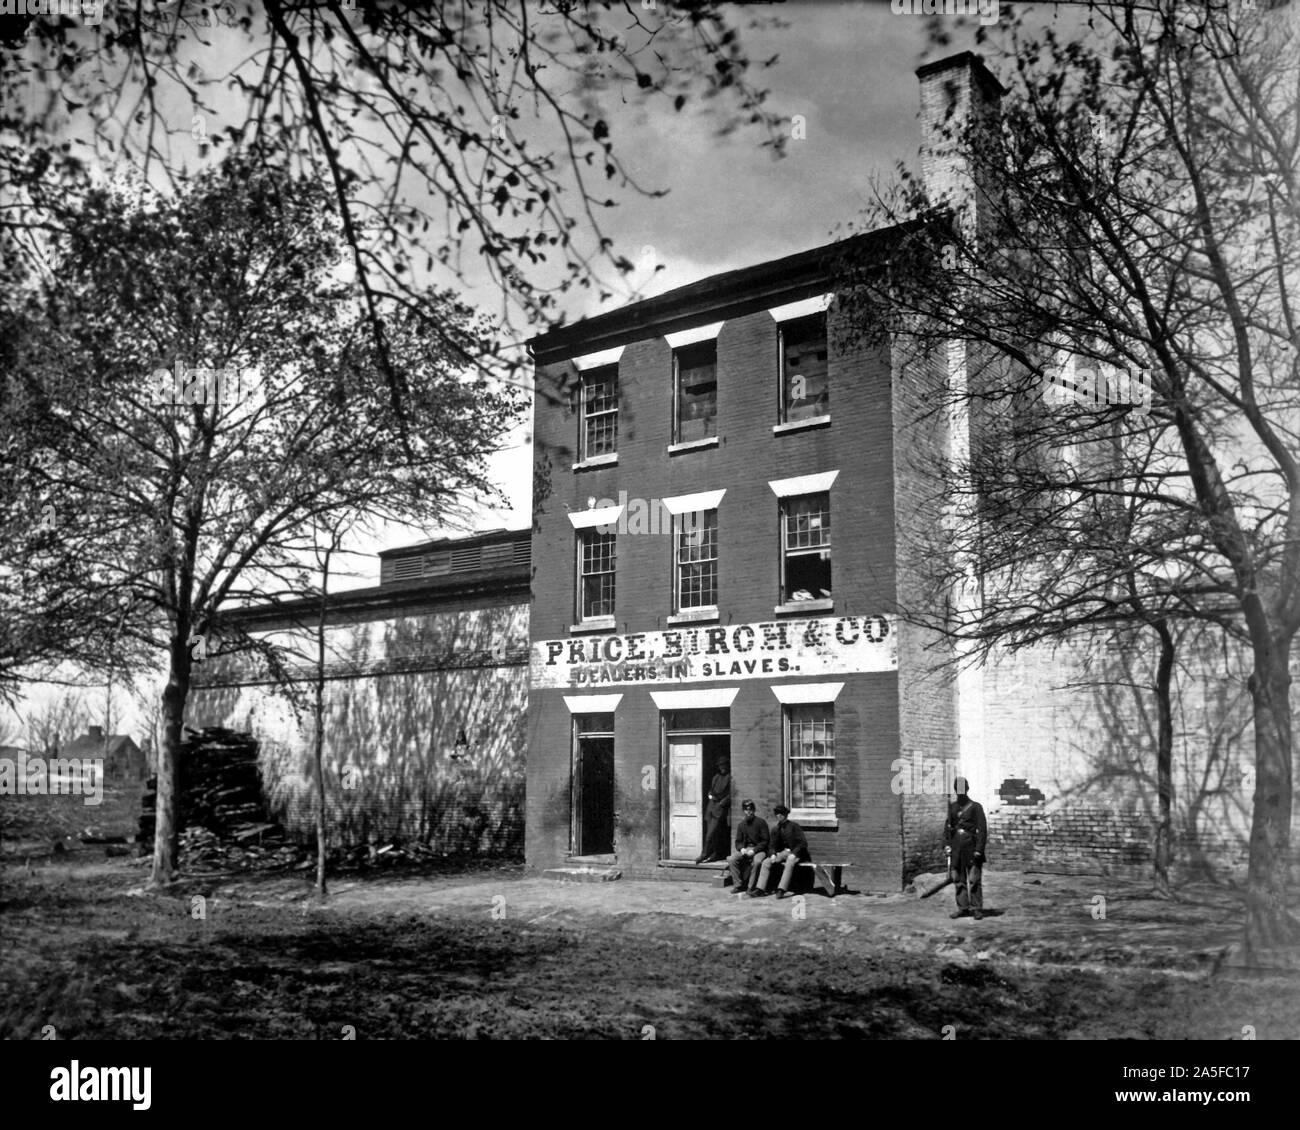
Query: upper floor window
x=596 y=553
x=805 y=384
x=695 y=391
x=697 y=560
x=599 y=423
x=806 y=548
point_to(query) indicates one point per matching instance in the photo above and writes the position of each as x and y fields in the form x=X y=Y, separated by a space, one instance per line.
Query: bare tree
x=1120 y=270
x=325 y=551
x=448 y=132
x=51 y=726
x=216 y=396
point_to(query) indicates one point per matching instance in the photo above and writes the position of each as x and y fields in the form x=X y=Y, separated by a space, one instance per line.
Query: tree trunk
x=320 y=803
x=320 y=731
x=1164 y=756
x=166 y=827
x=1267 y=923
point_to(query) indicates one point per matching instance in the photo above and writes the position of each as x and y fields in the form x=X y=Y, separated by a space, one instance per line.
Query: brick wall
x=1092 y=839
x=859 y=443
x=1080 y=727
x=1083 y=838
x=1078 y=723
x=928 y=692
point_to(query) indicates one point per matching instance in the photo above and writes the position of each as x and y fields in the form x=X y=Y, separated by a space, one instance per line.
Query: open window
x=806 y=548
x=695 y=392
x=804 y=368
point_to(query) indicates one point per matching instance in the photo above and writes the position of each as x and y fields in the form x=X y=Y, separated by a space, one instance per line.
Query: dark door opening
x=594 y=802
x=717 y=748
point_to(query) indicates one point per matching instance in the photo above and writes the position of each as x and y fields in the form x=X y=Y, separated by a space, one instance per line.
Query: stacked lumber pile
x=225 y=824
x=223 y=816
x=221 y=787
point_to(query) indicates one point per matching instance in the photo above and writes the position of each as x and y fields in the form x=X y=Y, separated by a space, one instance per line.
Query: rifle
x=944 y=882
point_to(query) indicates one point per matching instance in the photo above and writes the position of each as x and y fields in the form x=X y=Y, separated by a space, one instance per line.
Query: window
x=599 y=425
x=704 y=718
x=697 y=560
x=595 y=574
x=806 y=548
x=810 y=756
x=805 y=383
x=695 y=392
x=595 y=725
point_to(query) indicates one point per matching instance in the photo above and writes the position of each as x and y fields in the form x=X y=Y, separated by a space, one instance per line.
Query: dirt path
x=1048 y=919
x=510 y=956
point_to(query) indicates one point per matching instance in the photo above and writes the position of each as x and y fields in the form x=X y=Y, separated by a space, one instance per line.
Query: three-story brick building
x=724 y=477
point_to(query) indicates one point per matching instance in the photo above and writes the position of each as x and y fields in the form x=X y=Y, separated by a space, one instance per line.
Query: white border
x=695 y=700
x=793 y=693
x=692 y=503
x=592 y=703
x=801 y=309
x=596 y=360
x=596 y=516
x=690 y=337
x=802 y=484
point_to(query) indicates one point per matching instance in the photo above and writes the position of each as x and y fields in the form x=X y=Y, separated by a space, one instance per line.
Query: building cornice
x=718 y=298
x=381 y=601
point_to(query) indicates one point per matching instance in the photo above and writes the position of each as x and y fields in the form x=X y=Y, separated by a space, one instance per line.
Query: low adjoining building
x=425 y=696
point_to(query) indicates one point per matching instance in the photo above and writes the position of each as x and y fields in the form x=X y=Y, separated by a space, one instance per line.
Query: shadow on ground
x=504 y=955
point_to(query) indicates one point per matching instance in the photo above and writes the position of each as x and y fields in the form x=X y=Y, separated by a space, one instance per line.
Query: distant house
x=123 y=759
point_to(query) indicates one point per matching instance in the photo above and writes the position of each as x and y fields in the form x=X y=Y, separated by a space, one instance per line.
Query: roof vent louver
x=465 y=558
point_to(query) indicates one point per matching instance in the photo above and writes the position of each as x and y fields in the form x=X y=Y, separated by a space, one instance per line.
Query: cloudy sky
x=846 y=67
x=841 y=70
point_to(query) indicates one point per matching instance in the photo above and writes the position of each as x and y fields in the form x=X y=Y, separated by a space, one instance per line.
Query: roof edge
x=729 y=294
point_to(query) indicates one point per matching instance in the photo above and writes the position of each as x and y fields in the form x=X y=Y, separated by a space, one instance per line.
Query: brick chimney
x=96 y=733
x=960 y=100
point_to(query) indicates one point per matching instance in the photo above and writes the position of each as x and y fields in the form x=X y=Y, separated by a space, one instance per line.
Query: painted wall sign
x=827 y=645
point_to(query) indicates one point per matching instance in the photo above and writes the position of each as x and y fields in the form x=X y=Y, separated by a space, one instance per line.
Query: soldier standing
x=715 y=836
x=965 y=836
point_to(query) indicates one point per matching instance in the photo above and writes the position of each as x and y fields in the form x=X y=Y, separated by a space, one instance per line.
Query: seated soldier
x=751 y=849
x=789 y=848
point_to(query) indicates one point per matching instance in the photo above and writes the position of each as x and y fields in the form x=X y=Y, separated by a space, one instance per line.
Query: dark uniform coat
x=788 y=834
x=752 y=834
x=715 y=836
x=966 y=831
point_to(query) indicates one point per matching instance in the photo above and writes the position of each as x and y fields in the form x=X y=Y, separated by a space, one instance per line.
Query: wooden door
x=685 y=798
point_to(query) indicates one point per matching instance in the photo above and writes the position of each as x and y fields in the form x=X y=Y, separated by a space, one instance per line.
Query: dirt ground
x=494 y=953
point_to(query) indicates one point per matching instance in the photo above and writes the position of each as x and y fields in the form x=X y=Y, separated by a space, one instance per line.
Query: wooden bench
x=825 y=876
x=828 y=876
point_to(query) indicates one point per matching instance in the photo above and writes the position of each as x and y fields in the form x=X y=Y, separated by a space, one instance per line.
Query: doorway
x=593 y=784
x=694 y=741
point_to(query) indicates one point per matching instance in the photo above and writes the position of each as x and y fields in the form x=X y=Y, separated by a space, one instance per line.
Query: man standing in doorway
x=965 y=836
x=751 y=850
x=789 y=848
x=715 y=834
